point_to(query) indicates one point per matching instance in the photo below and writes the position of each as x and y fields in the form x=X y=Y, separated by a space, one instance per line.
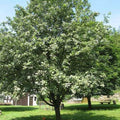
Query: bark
x=50 y=104
x=89 y=102
x=57 y=112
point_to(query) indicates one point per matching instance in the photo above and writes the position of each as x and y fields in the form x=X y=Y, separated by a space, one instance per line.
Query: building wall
x=22 y=101
x=26 y=100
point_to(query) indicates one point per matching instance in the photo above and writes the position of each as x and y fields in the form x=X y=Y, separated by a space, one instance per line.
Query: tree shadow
x=78 y=112
x=94 y=107
x=87 y=116
x=76 y=116
x=16 y=108
x=36 y=117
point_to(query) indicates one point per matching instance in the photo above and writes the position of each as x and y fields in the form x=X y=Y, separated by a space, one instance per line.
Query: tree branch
x=46 y=101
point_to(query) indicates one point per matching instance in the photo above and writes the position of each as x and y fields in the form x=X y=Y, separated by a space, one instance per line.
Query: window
x=35 y=98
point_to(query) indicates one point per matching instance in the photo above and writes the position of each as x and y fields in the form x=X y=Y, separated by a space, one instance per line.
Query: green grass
x=71 y=112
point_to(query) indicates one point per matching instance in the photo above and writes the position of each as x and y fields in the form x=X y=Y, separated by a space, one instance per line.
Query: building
x=26 y=100
x=5 y=99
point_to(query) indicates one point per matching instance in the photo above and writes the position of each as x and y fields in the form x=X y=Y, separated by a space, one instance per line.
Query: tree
x=111 y=66
x=103 y=77
x=115 y=39
x=88 y=85
x=47 y=44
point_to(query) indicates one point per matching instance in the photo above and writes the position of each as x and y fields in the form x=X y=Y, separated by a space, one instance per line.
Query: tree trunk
x=57 y=112
x=89 y=102
x=15 y=102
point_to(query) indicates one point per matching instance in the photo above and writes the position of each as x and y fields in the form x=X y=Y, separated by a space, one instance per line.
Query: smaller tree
x=102 y=78
x=88 y=85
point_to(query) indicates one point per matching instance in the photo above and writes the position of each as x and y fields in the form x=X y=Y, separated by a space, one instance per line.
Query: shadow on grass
x=94 y=107
x=16 y=108
x=36 y=117
x=76 y=116
x=78 y=112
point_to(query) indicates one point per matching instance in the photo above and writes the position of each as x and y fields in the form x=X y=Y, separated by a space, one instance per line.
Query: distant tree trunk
x=57 y=112
x=108 y=96
x=15 y=102
x=89 y=102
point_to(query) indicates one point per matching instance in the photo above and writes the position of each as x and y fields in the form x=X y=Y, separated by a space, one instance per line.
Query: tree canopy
x=47 y=45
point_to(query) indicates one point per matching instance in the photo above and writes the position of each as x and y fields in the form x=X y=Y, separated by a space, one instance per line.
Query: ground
x=71 y=112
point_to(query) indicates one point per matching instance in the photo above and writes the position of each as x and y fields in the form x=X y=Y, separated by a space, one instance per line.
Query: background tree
x=103 y=77
x=115 y=39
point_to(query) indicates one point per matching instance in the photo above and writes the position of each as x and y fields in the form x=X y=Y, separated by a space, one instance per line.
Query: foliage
x=47 y=45
x=41 y=48
x=89 y=84
x=103 y=76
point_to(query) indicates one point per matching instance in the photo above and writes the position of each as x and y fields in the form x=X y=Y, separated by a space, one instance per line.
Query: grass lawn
x=71 y=112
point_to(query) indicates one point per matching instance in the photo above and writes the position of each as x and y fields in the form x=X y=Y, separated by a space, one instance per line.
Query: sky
x=7 y=8
x=106 y=6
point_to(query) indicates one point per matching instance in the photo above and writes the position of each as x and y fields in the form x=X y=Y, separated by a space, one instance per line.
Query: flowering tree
x=46 y=45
